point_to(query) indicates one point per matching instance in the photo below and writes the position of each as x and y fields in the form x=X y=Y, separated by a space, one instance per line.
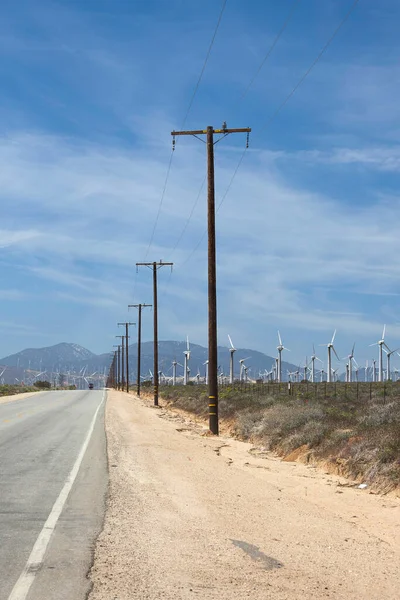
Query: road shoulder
x=191 y=515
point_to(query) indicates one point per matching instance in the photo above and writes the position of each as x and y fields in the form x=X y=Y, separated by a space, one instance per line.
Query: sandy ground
x=4 y=399
x=193 y=516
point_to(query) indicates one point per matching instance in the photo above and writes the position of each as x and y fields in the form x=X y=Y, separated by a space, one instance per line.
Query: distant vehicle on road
x=91 y=386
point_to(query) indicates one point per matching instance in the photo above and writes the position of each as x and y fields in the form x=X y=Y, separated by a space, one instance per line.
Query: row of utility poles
x=212 y=288
x=119 y=370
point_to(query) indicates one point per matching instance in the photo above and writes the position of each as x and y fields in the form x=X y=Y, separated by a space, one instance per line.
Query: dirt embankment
x=358 y=438
x=193 y=516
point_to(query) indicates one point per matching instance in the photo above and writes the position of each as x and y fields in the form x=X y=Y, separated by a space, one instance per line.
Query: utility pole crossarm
x=204 y=131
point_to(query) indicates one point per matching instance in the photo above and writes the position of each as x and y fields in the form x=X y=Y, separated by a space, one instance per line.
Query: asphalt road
x=41 y=442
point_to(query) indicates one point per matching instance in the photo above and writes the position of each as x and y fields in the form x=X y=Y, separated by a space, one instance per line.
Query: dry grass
x=356 y=432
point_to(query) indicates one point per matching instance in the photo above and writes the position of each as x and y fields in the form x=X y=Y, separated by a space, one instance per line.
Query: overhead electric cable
x=266 y=57
x=183 y=123
x=271 y=48
x=310 y=68
x=205 y=63
x=293 y=91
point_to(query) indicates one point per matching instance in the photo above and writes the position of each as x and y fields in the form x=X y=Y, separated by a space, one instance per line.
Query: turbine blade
x=230 y=341
x=333 y=337
x=335 y=353
x=384 y=331
x=279 y=338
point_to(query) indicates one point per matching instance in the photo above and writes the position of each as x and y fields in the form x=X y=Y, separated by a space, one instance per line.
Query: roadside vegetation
x=11 y=390
x=39 y=386
x=353 y=429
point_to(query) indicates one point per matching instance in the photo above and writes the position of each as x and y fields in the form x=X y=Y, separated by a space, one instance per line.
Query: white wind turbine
x=330 y=347
x=243 y=367
x=349 y=370
x=186 y=370
x=232 y=351
x=280 y=348
x=206 y=377
x=314 y=357
x=174 y=363
x=381 y=343
x=389 y=355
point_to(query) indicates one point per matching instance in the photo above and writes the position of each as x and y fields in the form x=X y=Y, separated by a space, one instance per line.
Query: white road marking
x=25 y=580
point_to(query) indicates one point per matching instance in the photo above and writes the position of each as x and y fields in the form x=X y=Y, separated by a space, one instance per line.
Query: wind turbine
x=351 y=358
x=232 y=351
x=366 y=371
x=242 y=366
x=330 y=347
x=389 y=354
x=381 y=343
x=206 y=373
x=313 y=359
x=374 y=371
x=186 y=369
x=174 y=363
x=280 y=348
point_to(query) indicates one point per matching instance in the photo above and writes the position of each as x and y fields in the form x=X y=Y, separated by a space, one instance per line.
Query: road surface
x=53 y=464
x=194 y=517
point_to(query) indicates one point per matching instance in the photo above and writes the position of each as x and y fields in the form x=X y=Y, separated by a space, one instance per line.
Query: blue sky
x=307 y=234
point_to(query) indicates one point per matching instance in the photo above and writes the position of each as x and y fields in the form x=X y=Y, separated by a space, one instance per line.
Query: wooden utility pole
x=212 y=276
x=118 y=364
x=155 y=266
x=127 y=350
x=139 y=342
x=122 y=366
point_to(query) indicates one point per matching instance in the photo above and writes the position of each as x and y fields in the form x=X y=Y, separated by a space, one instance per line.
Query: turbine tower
x=389 y=355
x=174 y=363
x=381 y=343
x=314 y=357
x=232 y=351
x=349 y=377
x=330 y=347
x=280 y=348
x=243 y=367
x=185 y=363
x=206 y=377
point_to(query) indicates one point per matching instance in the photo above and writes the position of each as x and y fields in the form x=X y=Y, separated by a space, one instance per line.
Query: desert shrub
x=42 y=385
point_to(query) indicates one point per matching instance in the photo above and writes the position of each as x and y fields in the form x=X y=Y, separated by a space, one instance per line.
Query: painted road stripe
x=35 y=560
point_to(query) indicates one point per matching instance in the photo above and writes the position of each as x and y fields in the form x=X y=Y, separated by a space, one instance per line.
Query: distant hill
x=78 y=362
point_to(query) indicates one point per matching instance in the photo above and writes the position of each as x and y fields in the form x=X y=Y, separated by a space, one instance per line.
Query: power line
x=160 y=204
x=275 y=114
x=184 y=121
x=266 y=57
x=190 y=216
x=271 y=48
x=310 y=68
x=218 y=207
x=205 y=63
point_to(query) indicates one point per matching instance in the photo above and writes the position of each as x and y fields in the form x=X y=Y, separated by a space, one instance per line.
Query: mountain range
x=74 y=360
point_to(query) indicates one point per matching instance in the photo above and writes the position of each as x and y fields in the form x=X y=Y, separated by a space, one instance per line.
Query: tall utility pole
x=155 y=266
x=122 y=366
x=118 y=364
x=115 y=369
x=126 y=323
x=212 y=277
x=139 y=342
